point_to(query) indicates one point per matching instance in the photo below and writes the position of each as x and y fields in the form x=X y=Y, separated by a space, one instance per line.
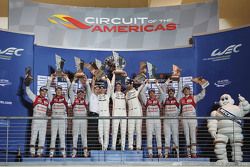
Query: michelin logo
x=222 y=83
x=219 y=55
x=4 y=82
x=8 y=53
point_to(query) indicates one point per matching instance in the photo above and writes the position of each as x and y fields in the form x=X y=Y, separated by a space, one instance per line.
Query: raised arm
x=30 y=94
x=88 y=89
x=200 y=96
x=163 y=95
x=109 y=87
x=143 y=93
x=244 y=105
x=50 y=79
x=71 y=92
x=113 y=85
x=93 y=84
x=179 y=91
x=68 y=85
x=140 y=88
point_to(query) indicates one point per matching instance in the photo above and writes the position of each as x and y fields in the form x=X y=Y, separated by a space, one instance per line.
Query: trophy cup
x=141 y=77
x=96 y=69
x=59 y=66
x=115 y=63
x=151 y=70
x=119 y=63
x=28 y=78
x=176 y=73
x=203 y=82
x=79 y=68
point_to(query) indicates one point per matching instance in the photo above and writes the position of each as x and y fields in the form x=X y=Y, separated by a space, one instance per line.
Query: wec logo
x=4 y=82
x=9 y=52
x=229 y=50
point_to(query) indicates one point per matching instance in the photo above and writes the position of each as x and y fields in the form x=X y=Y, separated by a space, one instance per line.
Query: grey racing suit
x=119 y=109
x=104 y=124
x=39 y=126
x=134 y=110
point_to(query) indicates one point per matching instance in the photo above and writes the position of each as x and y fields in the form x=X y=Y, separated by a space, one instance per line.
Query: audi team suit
x=79 y=106
x=188 y=105
x=39 y=126
x=152 y=125
x=171 y=109
x=59 y=110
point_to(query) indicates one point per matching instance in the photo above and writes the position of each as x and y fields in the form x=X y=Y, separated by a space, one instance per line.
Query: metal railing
x=15 y=134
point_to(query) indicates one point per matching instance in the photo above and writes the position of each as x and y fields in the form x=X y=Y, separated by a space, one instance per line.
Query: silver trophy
x=96 y=69
x=176 y=73
x=200 y=80
x=151 y=70
x=119 y=62
x=28 y=78
x=79 y=68
x=141 y=77
x=59 y=65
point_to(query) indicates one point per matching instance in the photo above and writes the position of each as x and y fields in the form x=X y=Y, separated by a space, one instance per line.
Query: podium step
x=35 y=160
x=119 y=156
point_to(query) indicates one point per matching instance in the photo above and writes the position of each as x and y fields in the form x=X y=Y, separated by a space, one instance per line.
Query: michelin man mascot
x=229 y=128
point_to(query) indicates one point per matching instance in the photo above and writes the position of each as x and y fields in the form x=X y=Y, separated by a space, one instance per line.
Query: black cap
x=58 y=87
x=43 y=88
x=80 y=90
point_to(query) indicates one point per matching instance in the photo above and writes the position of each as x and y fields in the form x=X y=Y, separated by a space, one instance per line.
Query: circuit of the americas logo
x=8 y=53
x=116 y=24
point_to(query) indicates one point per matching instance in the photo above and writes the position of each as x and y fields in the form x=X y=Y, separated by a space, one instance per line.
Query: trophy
x=79 y=68
x=119 y=62
x=203 y=82
x=151 y=70
x=96 y=69
x=28 y=78
x=176 y=73
x=140 y=78
x=59 y=65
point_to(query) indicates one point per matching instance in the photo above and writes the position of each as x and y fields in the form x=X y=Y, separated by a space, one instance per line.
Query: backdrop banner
x=222 y=58
x=113 y=28
x=16 y=53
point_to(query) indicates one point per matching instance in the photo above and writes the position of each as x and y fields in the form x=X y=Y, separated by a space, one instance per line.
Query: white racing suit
x=228 y=129
x=171 y=126
x=119 y=109
x=59 y=110
x=153 y=126
x=104 y=124
x=134 y=110
x=80 y=125
x=188 y=105
x=39 y=126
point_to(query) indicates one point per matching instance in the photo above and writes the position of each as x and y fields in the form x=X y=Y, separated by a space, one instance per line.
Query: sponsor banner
x=223 y=59
x=16 y=53
x=113 y=28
